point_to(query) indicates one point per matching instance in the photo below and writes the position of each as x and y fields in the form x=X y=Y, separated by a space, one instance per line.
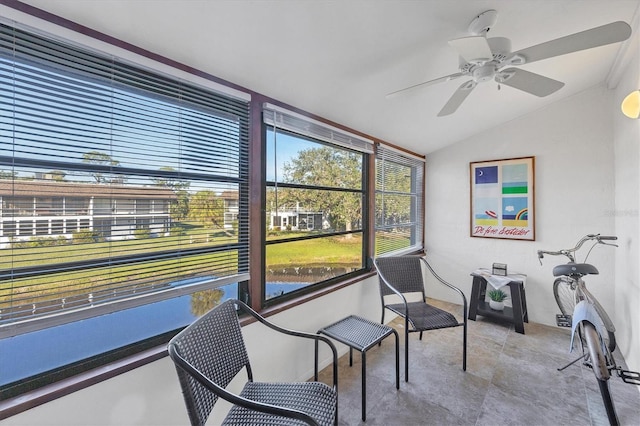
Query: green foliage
x=324 y=167
x=174 y=184
x=394 y=206
x=208 y=208
x=177 y=231
x=40 y=242
x=205 y=300
x=497 y=295
x=179 y=208
x=58 y=175
x=100 y=158
x=87 y=236
x=142 y=233
x=8 y=174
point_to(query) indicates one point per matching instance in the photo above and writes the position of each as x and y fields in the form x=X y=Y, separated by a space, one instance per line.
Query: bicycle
x=588 y=319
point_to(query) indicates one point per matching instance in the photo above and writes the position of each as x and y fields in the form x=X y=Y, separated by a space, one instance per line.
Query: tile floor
x=511 y=379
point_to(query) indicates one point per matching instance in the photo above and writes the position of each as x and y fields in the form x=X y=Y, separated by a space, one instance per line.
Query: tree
x=174 y=184
x=205 y=300
x=57 y=175
x=207 y=208
x=180 y=208
x=394 y=205
x=8 y=175
x=327 y=167
x=103 y=159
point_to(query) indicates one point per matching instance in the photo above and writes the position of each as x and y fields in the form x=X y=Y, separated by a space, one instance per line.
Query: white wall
x=150 y=395
x=574 y=194
x=627 y=207
x=587 y=181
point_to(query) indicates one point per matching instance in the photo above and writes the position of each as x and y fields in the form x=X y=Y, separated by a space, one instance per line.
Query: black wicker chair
x=210 y=352
x=401 y=275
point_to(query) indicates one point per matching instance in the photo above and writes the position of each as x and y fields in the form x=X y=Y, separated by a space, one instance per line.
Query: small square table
x=361 y=334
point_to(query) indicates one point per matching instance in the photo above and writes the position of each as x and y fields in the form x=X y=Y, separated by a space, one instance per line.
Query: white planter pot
x=496 y=306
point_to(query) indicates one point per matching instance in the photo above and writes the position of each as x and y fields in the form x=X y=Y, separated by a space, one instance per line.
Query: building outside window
x=315 y=204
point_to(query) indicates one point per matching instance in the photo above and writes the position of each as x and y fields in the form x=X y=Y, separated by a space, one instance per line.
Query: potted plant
x=496 y=299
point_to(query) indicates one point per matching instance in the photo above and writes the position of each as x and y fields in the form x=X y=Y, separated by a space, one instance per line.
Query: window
x=399 y=201
x=76 y=133
x=105 y=244
x=315 y=210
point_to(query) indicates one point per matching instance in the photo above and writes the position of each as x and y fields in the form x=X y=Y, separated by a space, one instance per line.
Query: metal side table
x=361 y=334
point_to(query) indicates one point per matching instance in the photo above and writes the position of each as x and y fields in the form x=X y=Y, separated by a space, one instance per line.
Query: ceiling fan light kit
x=631 y=105
x=483 y=59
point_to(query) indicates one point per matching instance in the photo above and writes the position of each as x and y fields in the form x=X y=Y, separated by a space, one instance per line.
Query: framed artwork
x=502 y=199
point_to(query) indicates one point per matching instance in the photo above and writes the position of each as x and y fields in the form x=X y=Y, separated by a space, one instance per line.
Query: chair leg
x=406 y=350
x=421 y=335
x=381 y=322
x=464 y=347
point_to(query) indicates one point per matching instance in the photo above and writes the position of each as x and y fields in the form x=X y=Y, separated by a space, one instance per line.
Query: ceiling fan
x=485 y=59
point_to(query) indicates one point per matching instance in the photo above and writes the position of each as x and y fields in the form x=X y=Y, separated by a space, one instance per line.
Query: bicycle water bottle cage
x=575 y=269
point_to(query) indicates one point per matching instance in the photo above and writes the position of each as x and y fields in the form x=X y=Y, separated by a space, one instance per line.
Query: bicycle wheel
x=599 y=367
x=565 y=295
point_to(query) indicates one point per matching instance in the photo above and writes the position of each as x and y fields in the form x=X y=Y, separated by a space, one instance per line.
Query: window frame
x=417 y=164
x=265 y=242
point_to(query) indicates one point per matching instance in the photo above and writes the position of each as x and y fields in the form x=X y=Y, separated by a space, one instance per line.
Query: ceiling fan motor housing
x=484 y=73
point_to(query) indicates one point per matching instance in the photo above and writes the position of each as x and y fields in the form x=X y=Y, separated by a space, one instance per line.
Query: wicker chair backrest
x=404 y=273
x=213 y=344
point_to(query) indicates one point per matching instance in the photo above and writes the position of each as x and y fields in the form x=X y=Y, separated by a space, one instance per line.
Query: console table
x=516 y=315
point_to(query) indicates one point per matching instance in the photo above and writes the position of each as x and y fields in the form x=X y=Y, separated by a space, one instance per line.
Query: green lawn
x=343 y=251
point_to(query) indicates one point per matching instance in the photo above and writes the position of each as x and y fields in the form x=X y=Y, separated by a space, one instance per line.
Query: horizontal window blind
x=288 y=120
x=117 y=185
x=399 y=202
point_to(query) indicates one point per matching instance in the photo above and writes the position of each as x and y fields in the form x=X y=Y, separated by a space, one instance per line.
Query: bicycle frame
x=583 y=294
x=588 y=309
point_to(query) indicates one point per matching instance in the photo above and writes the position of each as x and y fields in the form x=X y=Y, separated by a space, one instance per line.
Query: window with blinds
x=315 y=204
x=399 y=202
x=118 y=186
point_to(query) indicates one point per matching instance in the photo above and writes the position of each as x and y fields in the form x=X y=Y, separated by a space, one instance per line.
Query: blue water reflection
x=34 y=353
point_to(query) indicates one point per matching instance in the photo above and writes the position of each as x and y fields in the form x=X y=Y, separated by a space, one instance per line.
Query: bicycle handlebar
x=569 y=253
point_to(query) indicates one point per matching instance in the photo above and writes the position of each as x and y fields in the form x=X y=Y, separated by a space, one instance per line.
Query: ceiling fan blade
x=427 y=83
x=473 y=49
x=529 y=82
x=458 y=97
x=595 y=37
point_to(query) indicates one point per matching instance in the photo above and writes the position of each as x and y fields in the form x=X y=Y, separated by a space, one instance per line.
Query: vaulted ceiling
x=338 y=59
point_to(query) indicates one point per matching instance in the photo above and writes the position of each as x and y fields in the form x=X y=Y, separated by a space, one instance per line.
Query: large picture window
x=315 y=205
x=399 y=201
x=119 y=188
x=124 y=206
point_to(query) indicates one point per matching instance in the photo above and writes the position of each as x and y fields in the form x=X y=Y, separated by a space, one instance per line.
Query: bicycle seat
x=569 y=269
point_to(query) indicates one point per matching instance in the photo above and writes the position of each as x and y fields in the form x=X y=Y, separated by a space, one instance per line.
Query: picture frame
x=503 y=198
